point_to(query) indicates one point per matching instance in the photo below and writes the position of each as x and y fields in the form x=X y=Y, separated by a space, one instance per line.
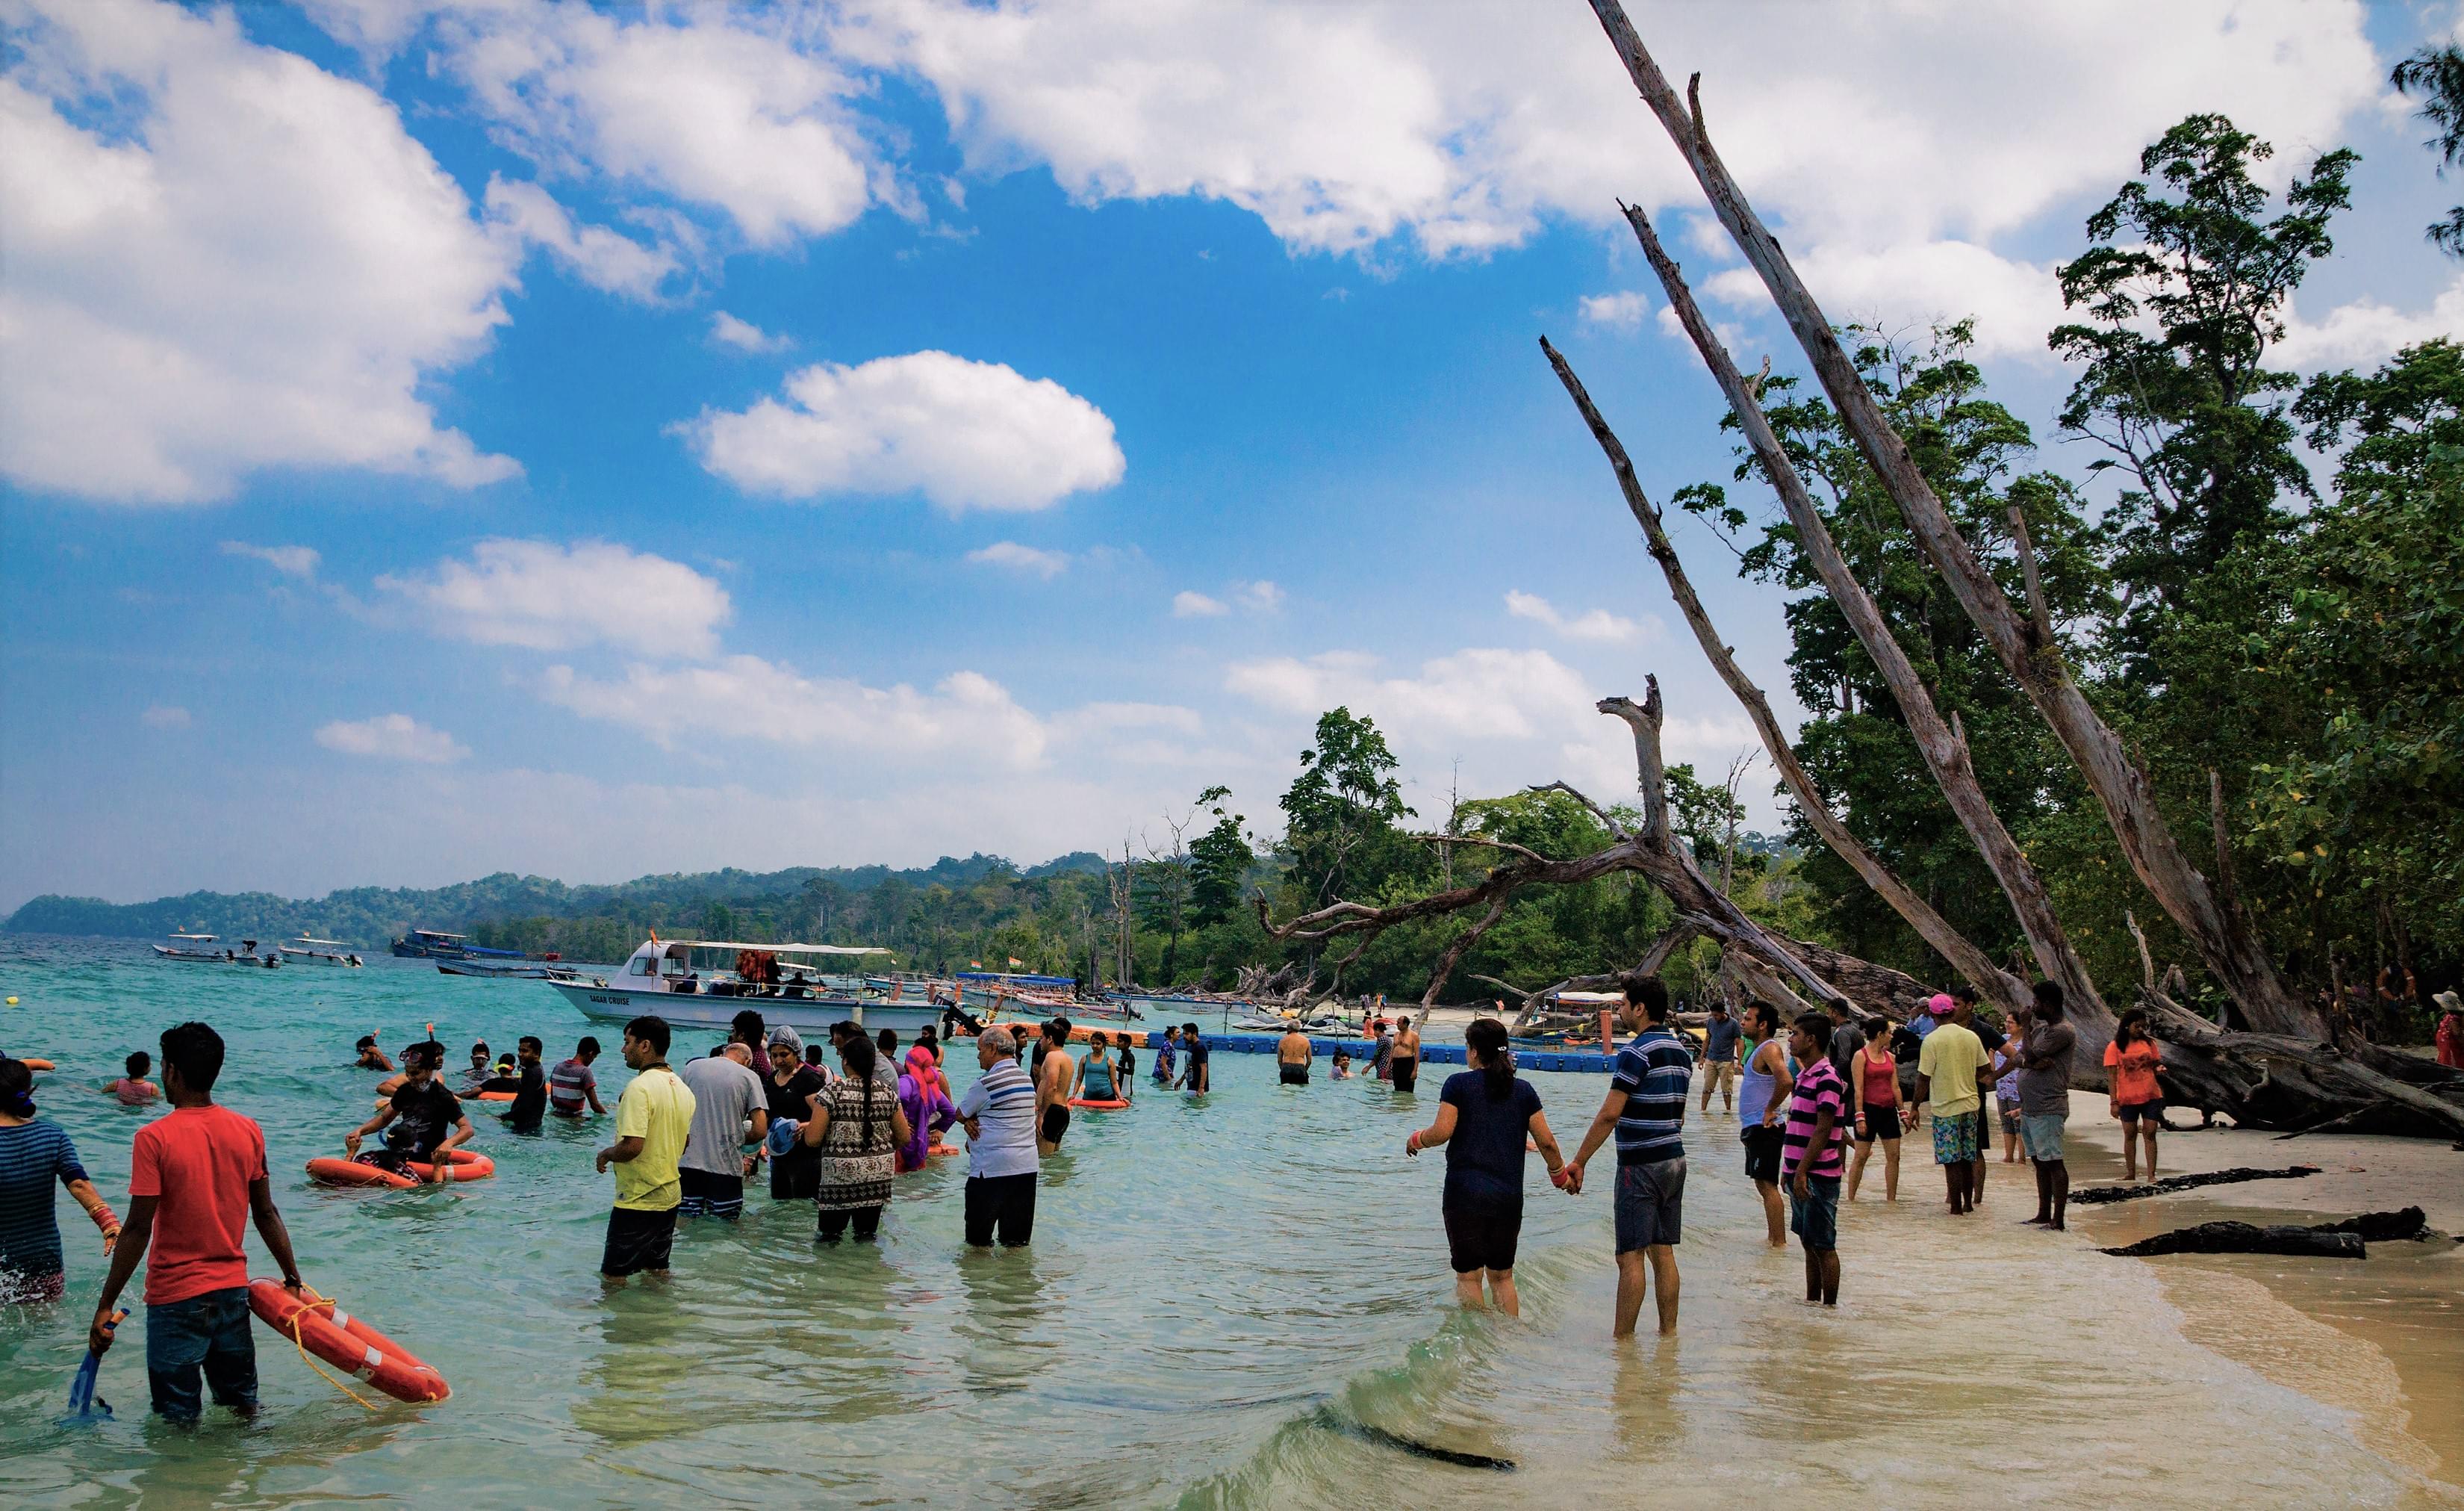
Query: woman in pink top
x=133 y=1089
x=1874 y=1079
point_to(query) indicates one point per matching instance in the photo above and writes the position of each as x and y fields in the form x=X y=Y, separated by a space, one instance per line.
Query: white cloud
x=1596 y=625
x=1186 y=605
x=1624 y=309
x=1017 y=557
x=717 y=107
x=967 y=713
x=966 y=434
x=221 y=258
x=164 y=716
x=2366 y=332
x=603 y=259
x=291 y=560
x=555 y=597
x=743 y=334
x=2014 y=303
x=1341 y=127
x=1258 y=597
x=392 y=737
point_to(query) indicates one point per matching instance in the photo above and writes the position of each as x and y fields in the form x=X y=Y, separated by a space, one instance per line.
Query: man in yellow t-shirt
x=653 y=1120
x=1946 y=1069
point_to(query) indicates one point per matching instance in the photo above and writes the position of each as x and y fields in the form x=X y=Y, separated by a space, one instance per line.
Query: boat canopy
x=1014 y=978
x=673 y=944
x=196 y=939
x=437 y=933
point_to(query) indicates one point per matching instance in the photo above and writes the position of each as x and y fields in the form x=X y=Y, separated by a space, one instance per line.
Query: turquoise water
x=1240 y=1298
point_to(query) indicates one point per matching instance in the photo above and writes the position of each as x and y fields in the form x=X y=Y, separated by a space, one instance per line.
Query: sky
x=446 y=438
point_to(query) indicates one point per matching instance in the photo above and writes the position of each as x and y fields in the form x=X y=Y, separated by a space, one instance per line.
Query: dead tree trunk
x=2227 y=945
x=1930 y=925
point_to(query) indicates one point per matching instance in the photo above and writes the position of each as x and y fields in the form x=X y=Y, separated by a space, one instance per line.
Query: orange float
x=496 y=1095
x=322 y=1327
x=1106 y=1104
x=462 y=1164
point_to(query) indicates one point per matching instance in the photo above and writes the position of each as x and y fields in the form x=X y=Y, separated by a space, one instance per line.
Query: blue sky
x=1110 y=388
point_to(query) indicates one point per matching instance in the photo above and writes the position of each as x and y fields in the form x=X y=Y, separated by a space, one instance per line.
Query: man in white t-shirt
x=730 y=1111
x=999 y=1114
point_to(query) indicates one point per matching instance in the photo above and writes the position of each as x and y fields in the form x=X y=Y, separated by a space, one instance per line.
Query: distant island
x=539 y=912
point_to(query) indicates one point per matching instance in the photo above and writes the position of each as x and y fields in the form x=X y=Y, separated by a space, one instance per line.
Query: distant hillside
x=369 y=917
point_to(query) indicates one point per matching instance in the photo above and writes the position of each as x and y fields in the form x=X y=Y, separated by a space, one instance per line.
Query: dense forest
x=2255 y=582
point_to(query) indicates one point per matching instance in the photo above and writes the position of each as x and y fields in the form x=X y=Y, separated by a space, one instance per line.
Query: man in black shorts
x=1406 y=1063
x=1195 y=1076
x=1056 y=1071
x=1292 y=1055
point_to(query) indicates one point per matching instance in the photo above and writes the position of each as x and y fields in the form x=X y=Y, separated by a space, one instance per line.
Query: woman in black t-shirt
x=1483 y=1116
x=795 y=1175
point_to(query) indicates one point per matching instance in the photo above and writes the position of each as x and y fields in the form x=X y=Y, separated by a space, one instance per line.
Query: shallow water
x=1240 y=1299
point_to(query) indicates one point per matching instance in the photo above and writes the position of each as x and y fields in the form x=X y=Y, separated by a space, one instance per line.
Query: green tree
x=1340 y=813
x=1219 y=861
x=2437 y=73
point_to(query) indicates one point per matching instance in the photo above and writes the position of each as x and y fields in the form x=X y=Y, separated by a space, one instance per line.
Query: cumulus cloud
x=2366 y=332
x=1258 y=597
x=965 y=712
x=552 y=597
x=720 y=108
x=743 y=334
x=392 y=737
x=1623 y=310
x=164 y=716
x=221 y=258
x=1017 y=557
x=605 y=259
x=2014 y=303
x=1187 y=605
x=1596 y=625
x=965 y=434
x=291 y=560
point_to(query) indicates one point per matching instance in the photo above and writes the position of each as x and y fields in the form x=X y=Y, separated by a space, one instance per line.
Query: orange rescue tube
x=1107 y=1104
x=346 y=1343
x=463 y=1164
x=496 y=1095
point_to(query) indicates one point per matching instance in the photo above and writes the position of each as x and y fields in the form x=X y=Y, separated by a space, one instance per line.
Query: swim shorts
x=2042 y=1137
x=1814 y=1217
x=1650 y=1204
x=638 y=1240
x=1483 y=1234
x=1954 y=1139
x=1407 y=1073
x=1295 y=1075
x=1761 y=1153
x=1056 y=1122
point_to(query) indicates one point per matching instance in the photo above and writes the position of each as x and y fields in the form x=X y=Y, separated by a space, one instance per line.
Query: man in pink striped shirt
x=1812 y=1155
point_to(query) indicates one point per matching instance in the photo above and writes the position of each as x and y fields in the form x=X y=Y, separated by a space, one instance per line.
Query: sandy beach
x=2382 y=1339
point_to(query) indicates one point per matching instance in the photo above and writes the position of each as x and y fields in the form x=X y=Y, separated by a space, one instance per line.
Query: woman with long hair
x=1483 y=1116
x=857 y=1125
x=2136 y=1098
x=34 y=1152
x=1874 y=1081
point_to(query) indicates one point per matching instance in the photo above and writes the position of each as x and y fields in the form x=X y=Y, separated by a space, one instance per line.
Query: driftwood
x=2099 y=1196
x=1653 y=851
x=2217 y=927
x=2327 y=1241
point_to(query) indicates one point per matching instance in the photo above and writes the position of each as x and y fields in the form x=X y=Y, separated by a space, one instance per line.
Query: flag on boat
x=1015 y=961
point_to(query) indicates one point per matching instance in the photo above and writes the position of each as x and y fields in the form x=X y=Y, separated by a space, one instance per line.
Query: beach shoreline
x=2382 y=1339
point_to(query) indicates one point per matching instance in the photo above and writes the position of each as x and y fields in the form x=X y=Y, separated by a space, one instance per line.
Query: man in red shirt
x=195 y=1173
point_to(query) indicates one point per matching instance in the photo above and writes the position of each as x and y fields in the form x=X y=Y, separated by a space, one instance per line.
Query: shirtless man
x=1407 y=1054
x=1292 y=1055
x=1054 y=1075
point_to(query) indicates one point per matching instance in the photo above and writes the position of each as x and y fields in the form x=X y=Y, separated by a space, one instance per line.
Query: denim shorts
x=209 y=1333
x=1814 y=1217
x=2042 y=1136
x=1650 y=1204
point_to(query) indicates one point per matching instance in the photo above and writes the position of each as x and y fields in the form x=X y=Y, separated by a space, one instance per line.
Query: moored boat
x=320 y=951
x=430 y=943
x=706 y=983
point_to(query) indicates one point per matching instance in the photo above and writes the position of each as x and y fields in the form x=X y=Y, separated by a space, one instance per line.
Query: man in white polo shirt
x=999 y=1114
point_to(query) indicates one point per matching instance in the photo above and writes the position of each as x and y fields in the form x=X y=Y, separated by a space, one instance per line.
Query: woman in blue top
x=1096 y=1082
x=1482 y=1117
x=33 y=1154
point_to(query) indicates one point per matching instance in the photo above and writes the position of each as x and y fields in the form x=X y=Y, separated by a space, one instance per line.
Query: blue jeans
x=210 y=1331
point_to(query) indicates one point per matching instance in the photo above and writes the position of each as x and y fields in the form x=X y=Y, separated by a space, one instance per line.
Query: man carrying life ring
x=421 y=1112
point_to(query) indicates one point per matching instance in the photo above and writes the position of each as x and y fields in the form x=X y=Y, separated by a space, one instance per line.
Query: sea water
x=1239 y=1299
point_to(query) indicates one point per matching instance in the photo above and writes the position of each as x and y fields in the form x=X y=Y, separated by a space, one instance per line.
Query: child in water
x=371 y=1057
x=133 y=1089
x=1343 y=1064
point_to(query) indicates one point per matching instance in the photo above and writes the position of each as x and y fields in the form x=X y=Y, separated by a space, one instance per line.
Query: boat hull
x=694 y=1009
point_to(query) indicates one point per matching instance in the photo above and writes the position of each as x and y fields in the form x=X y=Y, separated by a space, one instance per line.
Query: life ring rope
x=339 y=1319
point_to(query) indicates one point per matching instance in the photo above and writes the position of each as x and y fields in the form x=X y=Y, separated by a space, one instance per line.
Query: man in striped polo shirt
x=1812 y=1154
x=1645 y=1109
x=999 y=1114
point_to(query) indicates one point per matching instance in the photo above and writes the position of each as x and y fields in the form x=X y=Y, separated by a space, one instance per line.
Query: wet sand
x=2382 y=1339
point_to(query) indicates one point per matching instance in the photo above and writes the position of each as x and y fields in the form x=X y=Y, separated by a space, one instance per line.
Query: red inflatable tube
x=463 y=1164
x=1108 y=1104
x=346 y=1343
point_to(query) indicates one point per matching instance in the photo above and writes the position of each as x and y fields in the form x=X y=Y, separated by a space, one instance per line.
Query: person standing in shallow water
x=1811 y=1154
x=1292 y=1055
x=999 y=1114
x=2137 y=1101
x=653 y=1120
x=1406 y=1063
x=2045 y=1102
x=34 y=1153
x=1720 y=1034
x=1645 y=1110
x=1483 y=1116
x=1946 y=1071
x=1762 y=1095
x=1195 y=1074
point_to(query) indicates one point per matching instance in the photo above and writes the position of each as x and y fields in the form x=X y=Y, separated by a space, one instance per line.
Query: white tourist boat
x=320 y=951
x=705 y=983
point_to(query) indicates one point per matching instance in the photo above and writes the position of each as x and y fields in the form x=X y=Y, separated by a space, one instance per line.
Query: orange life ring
x=463 y=1164
x=943 y=1151
x=346 y=1343
x=496 y=1095
x=1108 y=1104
